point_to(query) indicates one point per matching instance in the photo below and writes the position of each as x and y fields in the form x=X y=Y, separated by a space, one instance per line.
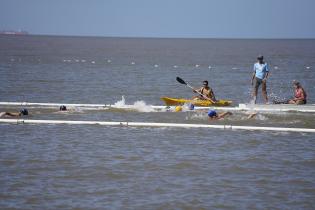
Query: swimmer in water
x=63 y=108
x=213 y=115
x=14 y=114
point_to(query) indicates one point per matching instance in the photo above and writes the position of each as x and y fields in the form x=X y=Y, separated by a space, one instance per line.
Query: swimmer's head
x=212 y=113
x=63 y=108
x=191 y=106
x=178 y=109
x=24 y=112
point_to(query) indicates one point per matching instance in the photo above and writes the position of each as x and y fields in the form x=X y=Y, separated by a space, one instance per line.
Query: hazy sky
x=162 y=18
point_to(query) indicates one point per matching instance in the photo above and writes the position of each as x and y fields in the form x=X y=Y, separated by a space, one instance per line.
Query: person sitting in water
x=14 y=114
x=203 y=91
x=299 y=94
x=213 y=115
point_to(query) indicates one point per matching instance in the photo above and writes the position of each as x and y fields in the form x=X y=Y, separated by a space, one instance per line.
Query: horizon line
x=162 y=37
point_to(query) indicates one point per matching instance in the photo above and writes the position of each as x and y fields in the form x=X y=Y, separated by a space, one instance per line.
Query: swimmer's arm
x=12 y=114
x=224 y=114
x=252 y=115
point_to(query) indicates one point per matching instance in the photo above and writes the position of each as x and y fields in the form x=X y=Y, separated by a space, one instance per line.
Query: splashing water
x=139 y=106
x=275 y=98
x=121 y=103
x=261 y=117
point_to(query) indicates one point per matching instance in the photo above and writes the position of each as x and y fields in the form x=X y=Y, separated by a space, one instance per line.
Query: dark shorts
x=258 y=82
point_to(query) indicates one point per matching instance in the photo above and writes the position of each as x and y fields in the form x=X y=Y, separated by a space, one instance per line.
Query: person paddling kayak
x=299 y=94
x=205 y=90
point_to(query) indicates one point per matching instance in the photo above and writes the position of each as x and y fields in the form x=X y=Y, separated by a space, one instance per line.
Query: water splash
x=261 y=117
x=139 y=106
x=197 y=116
x=121 y=103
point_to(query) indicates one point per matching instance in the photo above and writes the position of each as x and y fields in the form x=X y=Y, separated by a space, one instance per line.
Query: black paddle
x=181 y=81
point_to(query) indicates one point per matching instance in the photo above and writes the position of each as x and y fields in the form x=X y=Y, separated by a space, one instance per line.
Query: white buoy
x=308 y=67
x=133 y=63
x=109 y=61
x=175 y=66
x=197 y=65
x=209 y=67
x=156 y=65
x=93 y=62
x=83 y=61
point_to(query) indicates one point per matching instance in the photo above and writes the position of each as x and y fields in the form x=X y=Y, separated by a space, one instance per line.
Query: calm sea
x=98 y=167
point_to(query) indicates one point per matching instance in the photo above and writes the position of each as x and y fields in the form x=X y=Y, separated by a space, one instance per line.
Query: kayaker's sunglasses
x=205 y=84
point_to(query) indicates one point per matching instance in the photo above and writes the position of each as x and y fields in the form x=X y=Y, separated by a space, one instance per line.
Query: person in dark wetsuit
x=205 y=90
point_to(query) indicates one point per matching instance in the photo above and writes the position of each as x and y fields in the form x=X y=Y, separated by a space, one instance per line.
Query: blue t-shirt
x=260 y=70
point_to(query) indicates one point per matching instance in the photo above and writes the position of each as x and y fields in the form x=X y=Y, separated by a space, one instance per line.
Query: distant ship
x=20 y=32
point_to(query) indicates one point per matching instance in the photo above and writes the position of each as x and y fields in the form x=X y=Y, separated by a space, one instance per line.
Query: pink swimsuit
x=300 y=94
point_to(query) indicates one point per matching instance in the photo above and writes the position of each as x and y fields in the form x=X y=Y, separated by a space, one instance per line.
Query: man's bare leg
x=264 y=92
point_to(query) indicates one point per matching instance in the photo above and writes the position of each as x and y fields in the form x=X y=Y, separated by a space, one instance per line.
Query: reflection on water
x=57 y=166
x=97 y=167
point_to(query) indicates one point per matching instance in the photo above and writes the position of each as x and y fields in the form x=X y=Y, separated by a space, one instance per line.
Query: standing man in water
x=259 y=77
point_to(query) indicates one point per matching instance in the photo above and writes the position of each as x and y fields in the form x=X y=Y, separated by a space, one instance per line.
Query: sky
x=162 y=18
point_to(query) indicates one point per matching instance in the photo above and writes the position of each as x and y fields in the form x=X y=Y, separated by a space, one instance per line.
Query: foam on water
x=139 y=106
x=197 y=116
x=121 y=103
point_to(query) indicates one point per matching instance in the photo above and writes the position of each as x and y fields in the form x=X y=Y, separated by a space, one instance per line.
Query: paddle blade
x=180 y=80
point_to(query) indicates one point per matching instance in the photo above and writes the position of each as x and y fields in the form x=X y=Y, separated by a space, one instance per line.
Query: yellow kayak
x=197 y=102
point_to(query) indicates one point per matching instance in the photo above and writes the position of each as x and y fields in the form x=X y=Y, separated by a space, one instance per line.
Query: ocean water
x=98 y=167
